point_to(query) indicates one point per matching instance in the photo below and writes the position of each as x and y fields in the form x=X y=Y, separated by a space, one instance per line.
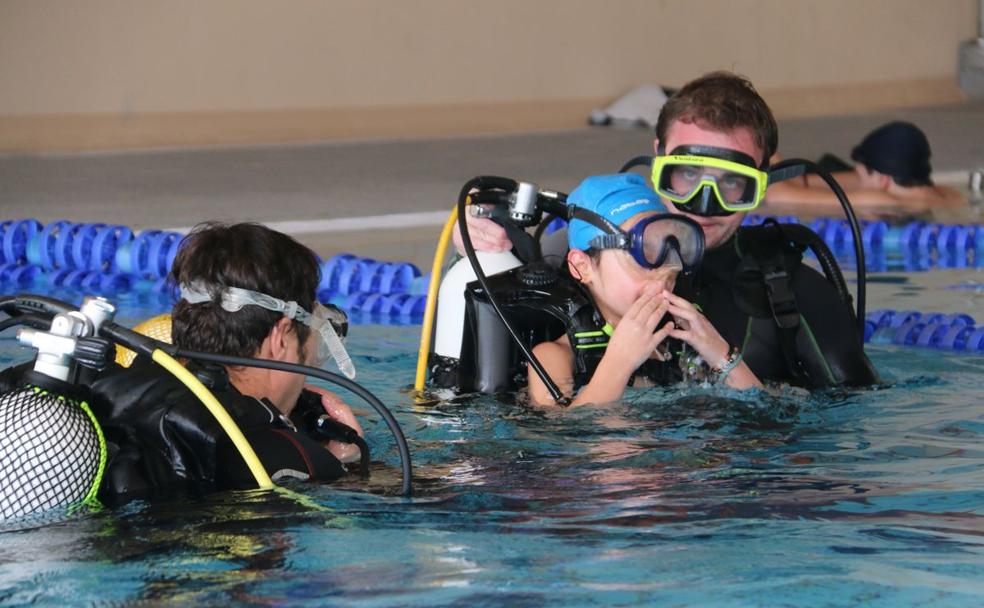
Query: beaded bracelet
x=728 y=363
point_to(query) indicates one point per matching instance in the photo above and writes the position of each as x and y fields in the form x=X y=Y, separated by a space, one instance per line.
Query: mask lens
x=734 y=188
x=331 y=325
x=334 y=315
x=668 y=240
x=682 y=178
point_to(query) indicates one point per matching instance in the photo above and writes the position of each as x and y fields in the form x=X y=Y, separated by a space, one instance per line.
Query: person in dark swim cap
x=899 y=150
x=892 y=179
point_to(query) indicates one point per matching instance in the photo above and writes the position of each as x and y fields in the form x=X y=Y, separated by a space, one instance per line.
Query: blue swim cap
x=615 y=198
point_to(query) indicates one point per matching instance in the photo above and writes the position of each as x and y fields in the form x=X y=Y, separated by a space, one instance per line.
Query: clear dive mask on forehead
x=658 y=241
x=709 y=181
x=329 y=323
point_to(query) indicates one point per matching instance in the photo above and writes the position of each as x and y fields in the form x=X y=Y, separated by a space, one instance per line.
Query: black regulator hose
x=824 y=255
x=36 y=321
x=504 y=183
x=145 y=345
x=796 y=167
x=646 y=160
x=28 y=303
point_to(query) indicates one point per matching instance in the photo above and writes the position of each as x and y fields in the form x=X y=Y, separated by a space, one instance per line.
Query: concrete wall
x=111 y=73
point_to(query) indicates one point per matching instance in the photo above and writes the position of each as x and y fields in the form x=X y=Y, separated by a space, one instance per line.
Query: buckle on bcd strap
x=782 y=301
x=590 y=339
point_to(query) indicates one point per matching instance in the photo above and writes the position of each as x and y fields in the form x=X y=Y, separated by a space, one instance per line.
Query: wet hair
x=248 y=256
x=722 y=101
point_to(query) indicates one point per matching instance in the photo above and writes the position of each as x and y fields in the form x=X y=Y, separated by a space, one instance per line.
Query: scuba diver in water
x=246 y=291
x=714 y=138
x=626 y=252
x=713 y=142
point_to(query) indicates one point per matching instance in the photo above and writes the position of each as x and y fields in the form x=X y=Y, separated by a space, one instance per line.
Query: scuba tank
x=451 y=299
x=52 y=449
x=515 y=206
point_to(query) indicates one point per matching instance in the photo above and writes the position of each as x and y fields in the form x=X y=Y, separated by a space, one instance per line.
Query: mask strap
x=234 y=298
x=194 y=293
x=613 y=237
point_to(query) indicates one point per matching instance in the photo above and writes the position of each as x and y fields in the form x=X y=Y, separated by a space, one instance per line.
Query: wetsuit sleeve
x=830 y=330
x=285 y=454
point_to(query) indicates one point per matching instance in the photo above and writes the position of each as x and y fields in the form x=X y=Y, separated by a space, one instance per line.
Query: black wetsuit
x=827 y=351
x=162 y=441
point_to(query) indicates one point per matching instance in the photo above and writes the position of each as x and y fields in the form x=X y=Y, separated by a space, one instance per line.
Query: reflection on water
x=676 y=495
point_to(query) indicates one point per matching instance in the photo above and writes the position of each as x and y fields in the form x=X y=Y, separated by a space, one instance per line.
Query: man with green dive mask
x=787 y=319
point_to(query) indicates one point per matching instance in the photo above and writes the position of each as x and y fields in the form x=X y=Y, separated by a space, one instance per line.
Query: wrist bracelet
x=728 y=363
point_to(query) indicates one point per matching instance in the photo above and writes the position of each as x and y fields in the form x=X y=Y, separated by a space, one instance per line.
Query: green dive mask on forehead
x=709 y=181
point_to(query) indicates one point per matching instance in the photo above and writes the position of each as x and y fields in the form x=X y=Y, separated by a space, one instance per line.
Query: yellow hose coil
x=435 y=284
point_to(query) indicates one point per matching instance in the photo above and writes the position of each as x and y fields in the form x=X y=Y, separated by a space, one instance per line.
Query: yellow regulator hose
x=225 y=421
x=432 y=289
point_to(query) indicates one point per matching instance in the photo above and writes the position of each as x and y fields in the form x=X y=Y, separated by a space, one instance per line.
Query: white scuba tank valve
x=56 y=347
x=523 y=204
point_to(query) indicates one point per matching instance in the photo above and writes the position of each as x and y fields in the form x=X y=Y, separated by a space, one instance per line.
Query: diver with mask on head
x=245 y=291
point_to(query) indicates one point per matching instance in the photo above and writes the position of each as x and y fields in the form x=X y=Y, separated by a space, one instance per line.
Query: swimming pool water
x=676 y=496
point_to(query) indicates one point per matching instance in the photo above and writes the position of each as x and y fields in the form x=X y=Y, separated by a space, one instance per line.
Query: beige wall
x=104 y=73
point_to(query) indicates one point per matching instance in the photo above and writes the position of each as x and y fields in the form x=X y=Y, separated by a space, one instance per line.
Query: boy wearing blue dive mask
x=627 y=253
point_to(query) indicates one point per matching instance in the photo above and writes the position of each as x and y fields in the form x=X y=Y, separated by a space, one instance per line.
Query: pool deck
x=335 y=196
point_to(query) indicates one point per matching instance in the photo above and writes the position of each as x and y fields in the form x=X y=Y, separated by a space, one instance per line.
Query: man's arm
x=786 y=198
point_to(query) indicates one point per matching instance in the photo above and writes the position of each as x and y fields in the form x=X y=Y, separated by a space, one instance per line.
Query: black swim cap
x=899 y=149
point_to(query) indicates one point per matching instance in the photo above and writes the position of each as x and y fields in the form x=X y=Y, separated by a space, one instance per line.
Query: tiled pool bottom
x=679 y=496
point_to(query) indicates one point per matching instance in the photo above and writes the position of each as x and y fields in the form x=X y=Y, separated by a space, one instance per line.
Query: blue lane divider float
x=16 y=235
x=105 y=259
x=916 y=246
x=957 y=331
